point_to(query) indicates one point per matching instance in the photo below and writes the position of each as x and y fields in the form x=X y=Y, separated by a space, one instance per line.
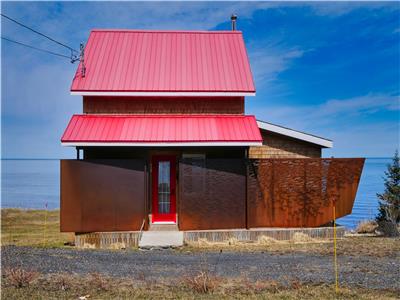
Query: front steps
x=161 y=236
x=163 y=227
x=161 y=239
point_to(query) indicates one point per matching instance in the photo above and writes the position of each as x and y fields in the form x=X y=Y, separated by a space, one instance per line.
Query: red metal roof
x=159 y=129
x=165 y=61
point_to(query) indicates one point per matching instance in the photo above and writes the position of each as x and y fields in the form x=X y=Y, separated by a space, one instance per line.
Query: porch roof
x=162 y=130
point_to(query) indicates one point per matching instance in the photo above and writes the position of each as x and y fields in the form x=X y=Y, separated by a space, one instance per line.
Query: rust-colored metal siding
x=109 y=195
x=212 y=194
x=300 y=192
x=102 y=195
x=163 y=105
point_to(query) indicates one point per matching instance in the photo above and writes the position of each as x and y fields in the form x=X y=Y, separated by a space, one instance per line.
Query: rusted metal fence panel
x=212 y=194
x=109 y=195
x=102 y=195
x=300 y=192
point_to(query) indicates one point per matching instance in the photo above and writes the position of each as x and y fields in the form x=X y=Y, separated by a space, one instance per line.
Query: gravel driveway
x=367 y=271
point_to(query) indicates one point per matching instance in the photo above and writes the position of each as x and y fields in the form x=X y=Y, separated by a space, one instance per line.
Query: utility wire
x=35 y=48
x=37 y=32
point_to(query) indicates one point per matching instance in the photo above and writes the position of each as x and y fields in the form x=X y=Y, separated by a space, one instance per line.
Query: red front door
x=164 y=183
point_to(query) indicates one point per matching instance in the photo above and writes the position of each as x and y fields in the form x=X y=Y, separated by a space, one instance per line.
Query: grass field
x=63 y=286
x=42 y=228
x=32 y=228
x=350 y=245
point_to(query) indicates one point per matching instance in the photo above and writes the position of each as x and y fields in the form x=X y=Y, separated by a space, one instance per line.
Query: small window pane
x=164 y=187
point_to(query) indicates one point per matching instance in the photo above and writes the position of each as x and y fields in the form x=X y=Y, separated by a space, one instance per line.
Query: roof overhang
x=161 y=144
x=92 y=130
x=166 y=94
x=295 y=134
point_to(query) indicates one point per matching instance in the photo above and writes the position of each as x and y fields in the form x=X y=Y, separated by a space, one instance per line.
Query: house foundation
x=125 y=240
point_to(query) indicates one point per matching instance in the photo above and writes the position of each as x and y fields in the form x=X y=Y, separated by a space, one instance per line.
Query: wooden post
x=246 y=165
x=45 y=225
x=334 y=249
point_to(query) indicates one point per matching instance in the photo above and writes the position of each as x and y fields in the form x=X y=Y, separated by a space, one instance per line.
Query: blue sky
x=331 y=69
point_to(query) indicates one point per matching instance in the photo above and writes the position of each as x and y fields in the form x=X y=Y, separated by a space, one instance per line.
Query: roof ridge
x=167 y=31
x=165 y=115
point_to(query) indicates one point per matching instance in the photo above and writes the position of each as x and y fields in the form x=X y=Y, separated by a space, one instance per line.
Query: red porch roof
x=138 y=62
x=161 y=130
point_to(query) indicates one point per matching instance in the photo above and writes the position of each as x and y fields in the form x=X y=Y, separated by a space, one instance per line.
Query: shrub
x=367 y=226
x=388 y=228
x=19 y=277
x=300 y=237
x=202 y=282
x=389 y=200
x=266 y=240
x=63 y=281
x=99 y=282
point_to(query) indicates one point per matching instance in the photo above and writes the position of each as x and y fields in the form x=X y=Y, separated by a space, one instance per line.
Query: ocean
x=33 y=184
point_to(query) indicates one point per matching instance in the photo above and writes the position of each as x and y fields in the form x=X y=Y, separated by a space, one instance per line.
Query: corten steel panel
x=102 y=195
x=165 y=61
x=300 y=192
x=163 y=105
x=90 y=128
x=212 y=194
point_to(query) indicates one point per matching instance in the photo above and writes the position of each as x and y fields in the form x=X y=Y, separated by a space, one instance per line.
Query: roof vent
x=233 y=21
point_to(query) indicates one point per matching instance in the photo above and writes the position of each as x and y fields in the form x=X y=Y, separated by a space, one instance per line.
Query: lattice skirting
x=281 y=234
x=108 y=240
x=124 y=239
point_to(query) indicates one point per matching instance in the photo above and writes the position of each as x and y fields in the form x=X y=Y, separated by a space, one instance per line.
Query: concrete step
x=161 y=239
x=163 y=227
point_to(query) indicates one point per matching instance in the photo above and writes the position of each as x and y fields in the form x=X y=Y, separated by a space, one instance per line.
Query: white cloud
x=332 y=109
x=366 y=104
x=344 y=122
x=339 y=8
x=339 y=120
x=38 y=89
x=268 y=61
x=37 y=106
x=379 y=139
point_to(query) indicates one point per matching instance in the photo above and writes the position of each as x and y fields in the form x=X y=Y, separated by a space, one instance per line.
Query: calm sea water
x=33 y=183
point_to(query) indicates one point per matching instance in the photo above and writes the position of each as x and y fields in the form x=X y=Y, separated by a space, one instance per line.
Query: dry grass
x=202 y=282
x=99 y=282
x=27 y=228
x=351 y=245
x=301 y=238
x=266 y=240
x=19 y=278
x=64 y=286
x=367 y=226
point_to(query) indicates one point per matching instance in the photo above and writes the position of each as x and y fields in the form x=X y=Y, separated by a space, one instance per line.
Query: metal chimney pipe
x=233 y=21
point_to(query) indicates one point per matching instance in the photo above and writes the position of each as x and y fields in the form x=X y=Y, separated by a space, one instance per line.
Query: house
x=164 y=139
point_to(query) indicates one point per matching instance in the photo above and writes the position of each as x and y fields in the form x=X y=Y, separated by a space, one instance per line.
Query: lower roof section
x=161 y=130
x=302 y=136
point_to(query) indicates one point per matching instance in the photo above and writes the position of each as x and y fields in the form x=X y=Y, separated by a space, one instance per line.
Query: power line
x=35 y=48
x=37 y=32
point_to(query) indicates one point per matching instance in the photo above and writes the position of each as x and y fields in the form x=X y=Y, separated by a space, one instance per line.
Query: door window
x=164 y=190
